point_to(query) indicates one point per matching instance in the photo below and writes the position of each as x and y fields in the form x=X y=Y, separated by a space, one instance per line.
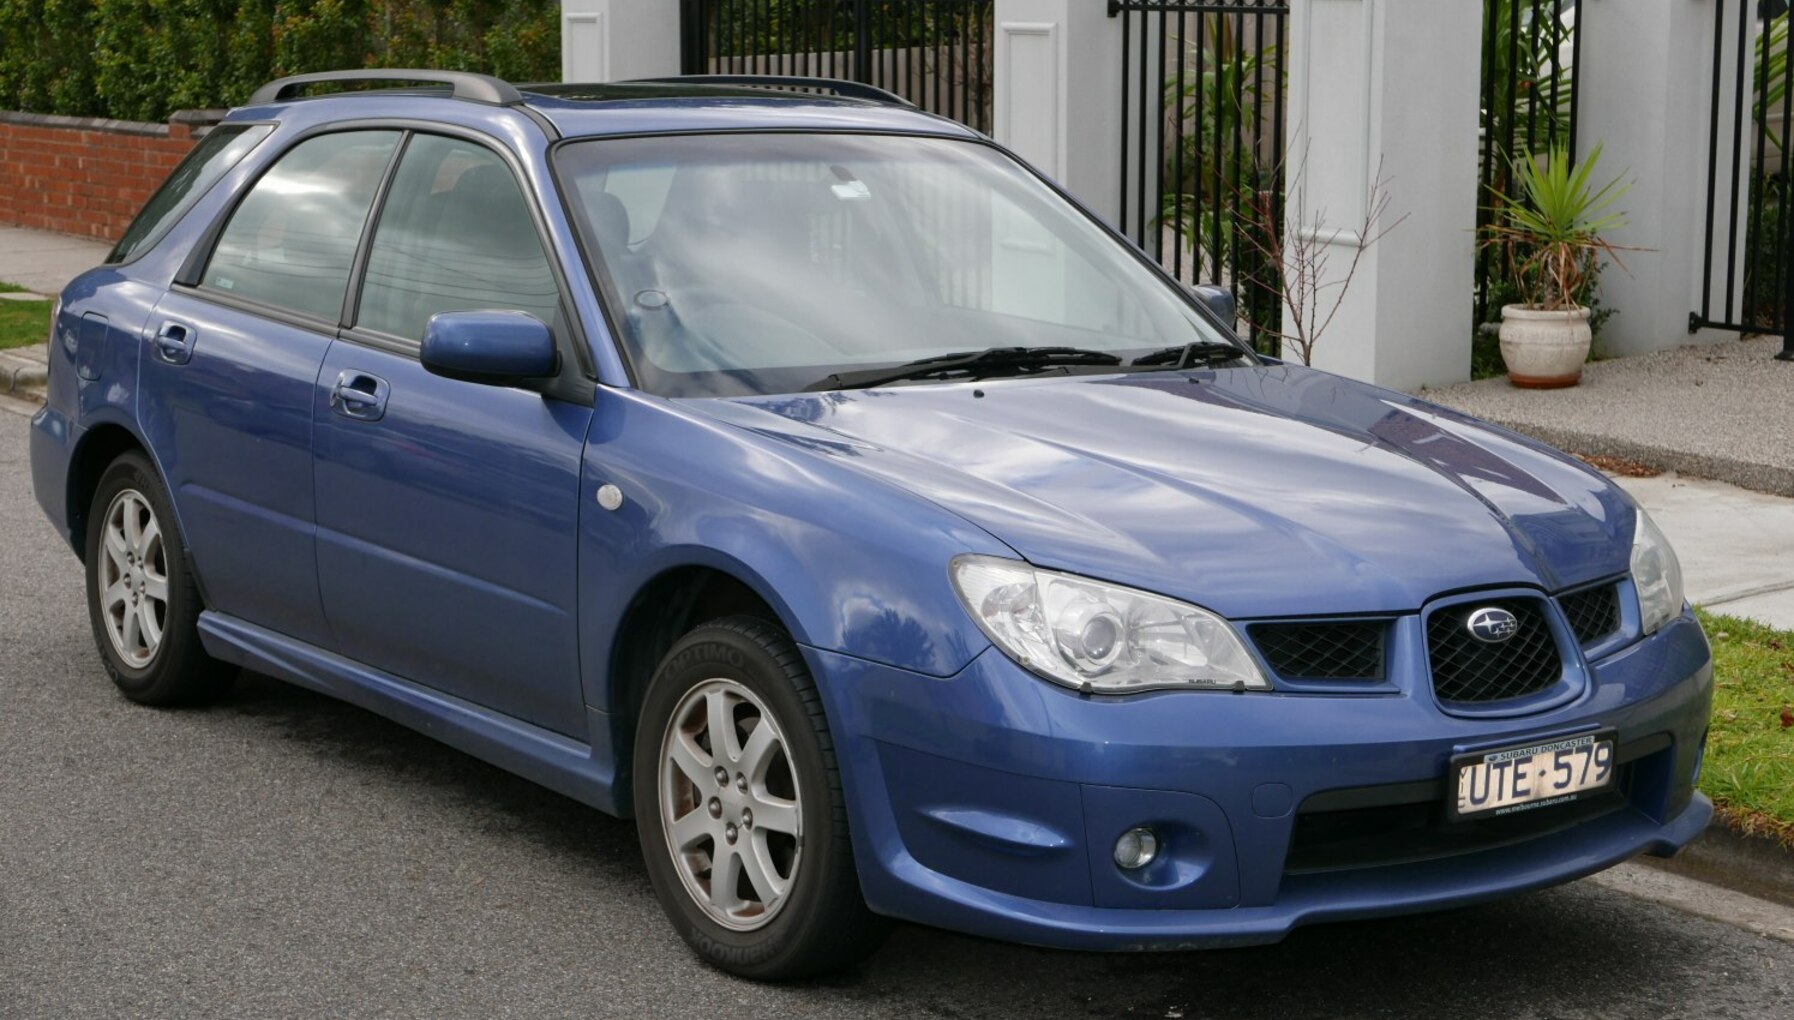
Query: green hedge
x=144 y=59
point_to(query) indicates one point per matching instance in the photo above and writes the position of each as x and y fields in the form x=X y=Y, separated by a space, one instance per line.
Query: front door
x=447 y=511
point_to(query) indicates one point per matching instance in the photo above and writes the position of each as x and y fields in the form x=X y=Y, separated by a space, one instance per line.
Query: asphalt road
x=284 y=855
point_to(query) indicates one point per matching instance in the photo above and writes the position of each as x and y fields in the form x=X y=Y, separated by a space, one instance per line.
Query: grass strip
x=1749 y=771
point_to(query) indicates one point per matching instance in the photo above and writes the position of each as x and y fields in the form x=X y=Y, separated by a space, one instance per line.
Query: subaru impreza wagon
x=807 y=478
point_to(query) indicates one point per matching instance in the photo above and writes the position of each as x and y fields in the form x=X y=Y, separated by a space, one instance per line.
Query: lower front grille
x=1382 y=826
x=1469 y=670
x=1371 y=837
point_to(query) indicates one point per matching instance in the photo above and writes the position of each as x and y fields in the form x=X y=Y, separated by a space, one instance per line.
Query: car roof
x=699 y=103
x=653 y=107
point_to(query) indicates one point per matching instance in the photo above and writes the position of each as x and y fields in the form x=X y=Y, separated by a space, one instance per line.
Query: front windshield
x=774 y=263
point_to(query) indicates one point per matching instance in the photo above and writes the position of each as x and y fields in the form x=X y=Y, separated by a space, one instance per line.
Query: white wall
x=1388 y=89
x=1646 y=92
x=615 y=40
x=1057 y=93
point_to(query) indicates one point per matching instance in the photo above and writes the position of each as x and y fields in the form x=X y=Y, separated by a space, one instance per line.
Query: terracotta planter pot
x=1544 y=350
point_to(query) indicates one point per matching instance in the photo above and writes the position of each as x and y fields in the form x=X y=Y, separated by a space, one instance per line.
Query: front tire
x=141 y=600
x=740 y=810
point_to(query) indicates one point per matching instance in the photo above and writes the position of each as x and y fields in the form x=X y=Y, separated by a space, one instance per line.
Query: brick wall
x=87 y=176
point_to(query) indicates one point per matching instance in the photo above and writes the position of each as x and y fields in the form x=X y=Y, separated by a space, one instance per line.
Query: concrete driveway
x=284 y=855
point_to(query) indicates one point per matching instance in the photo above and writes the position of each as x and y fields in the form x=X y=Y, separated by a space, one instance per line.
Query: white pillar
x=615 y=40
x=1646 y=93
x=1390 y=87
x=1057 y=94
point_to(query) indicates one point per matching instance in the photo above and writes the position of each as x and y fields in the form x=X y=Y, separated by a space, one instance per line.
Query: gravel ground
x=284 y=855
x=1713 y=411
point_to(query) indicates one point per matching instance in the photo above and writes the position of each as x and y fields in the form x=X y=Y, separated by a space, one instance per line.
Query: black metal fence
x=937 y=54
x=1530 y=55
x=1748 y=190
x=1202 y=125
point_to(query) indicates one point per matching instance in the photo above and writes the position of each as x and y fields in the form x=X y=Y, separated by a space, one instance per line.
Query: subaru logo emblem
x=1492 y=625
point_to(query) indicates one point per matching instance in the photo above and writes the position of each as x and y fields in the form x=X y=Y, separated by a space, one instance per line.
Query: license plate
x=1514 y=779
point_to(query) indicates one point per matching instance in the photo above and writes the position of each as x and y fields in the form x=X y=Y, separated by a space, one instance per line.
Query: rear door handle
x=174 y=343
x=359 y=395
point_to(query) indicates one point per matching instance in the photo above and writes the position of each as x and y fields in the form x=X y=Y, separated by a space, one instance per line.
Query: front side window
x=291 y=241
x=455 y=234
x=776 y=262
x=222 y=148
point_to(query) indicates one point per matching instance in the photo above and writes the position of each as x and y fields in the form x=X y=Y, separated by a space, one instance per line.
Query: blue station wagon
x=807 y=478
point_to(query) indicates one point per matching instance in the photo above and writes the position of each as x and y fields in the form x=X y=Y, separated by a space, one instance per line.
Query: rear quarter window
x=222 y=148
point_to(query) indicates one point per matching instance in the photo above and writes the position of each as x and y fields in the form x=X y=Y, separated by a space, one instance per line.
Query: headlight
x=1656 y=574
x=1100 y=638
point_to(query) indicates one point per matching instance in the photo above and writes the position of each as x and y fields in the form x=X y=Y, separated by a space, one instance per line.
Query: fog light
x=1135 y=849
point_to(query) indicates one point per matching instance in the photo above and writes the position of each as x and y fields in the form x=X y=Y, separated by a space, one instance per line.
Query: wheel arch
x=100 y=444
x=97 y=448
x=666 y=607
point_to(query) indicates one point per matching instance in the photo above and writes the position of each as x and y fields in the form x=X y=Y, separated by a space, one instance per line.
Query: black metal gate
x=1748 y=190
x=937 y=54
x=1202 y=122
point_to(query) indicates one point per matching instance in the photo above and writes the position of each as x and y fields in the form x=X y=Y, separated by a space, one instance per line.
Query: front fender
x=851 y=564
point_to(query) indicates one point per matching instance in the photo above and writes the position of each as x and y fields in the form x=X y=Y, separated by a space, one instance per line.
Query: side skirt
x=564 y=765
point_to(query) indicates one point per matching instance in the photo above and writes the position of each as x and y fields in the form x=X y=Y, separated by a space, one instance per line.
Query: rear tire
x=774 y=897
x=141 y=600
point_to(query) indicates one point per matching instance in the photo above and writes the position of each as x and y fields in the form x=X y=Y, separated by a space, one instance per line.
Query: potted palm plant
x=1549 y=236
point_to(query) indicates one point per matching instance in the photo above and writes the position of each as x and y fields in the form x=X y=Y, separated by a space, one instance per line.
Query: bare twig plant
x=1301 y=250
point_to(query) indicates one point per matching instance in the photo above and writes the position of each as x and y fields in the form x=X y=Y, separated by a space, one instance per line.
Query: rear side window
x=455 y=234
x=216 y=153
x=292 y=240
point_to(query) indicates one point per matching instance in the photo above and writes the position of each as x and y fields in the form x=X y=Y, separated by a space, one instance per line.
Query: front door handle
x=359 y=395
x=174 y=343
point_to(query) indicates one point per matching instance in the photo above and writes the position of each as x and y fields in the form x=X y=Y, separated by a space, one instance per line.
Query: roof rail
x=475 y=88
x=844 y=89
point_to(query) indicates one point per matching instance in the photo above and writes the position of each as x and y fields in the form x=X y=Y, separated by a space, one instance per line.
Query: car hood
x=1265 y=491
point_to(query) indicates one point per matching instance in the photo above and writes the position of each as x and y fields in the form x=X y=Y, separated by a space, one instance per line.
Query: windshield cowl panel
x=767 y=263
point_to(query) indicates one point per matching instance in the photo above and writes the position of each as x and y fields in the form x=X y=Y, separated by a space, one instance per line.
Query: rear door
x=447 y=511
x=229 y=371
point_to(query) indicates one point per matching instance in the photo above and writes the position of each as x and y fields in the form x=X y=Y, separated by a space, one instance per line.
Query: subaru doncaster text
x=807 y=478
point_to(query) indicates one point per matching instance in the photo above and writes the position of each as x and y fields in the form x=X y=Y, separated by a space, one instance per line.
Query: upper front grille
x=1347 y=650
x=1466 y=669
x=1593 y=613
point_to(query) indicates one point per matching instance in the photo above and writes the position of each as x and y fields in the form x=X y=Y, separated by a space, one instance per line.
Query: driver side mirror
x=1218 y=300
x=492 y=348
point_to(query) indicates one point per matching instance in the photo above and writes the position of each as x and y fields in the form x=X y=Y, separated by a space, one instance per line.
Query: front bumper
x=988 y=802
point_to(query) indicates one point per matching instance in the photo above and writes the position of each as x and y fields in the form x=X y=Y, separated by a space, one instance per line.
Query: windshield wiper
x=1202 y=352
x=976 y=364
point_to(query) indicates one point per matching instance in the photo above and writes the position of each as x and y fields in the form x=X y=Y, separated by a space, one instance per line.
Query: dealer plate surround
x=1523 y=777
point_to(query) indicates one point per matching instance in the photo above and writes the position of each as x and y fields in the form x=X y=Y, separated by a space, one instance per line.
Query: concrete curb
x=1756 y=866
x=1775 y=479
x=24 y=371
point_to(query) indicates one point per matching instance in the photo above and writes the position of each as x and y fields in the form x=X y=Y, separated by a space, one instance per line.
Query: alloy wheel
x=730 y=805
x=133 y=573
